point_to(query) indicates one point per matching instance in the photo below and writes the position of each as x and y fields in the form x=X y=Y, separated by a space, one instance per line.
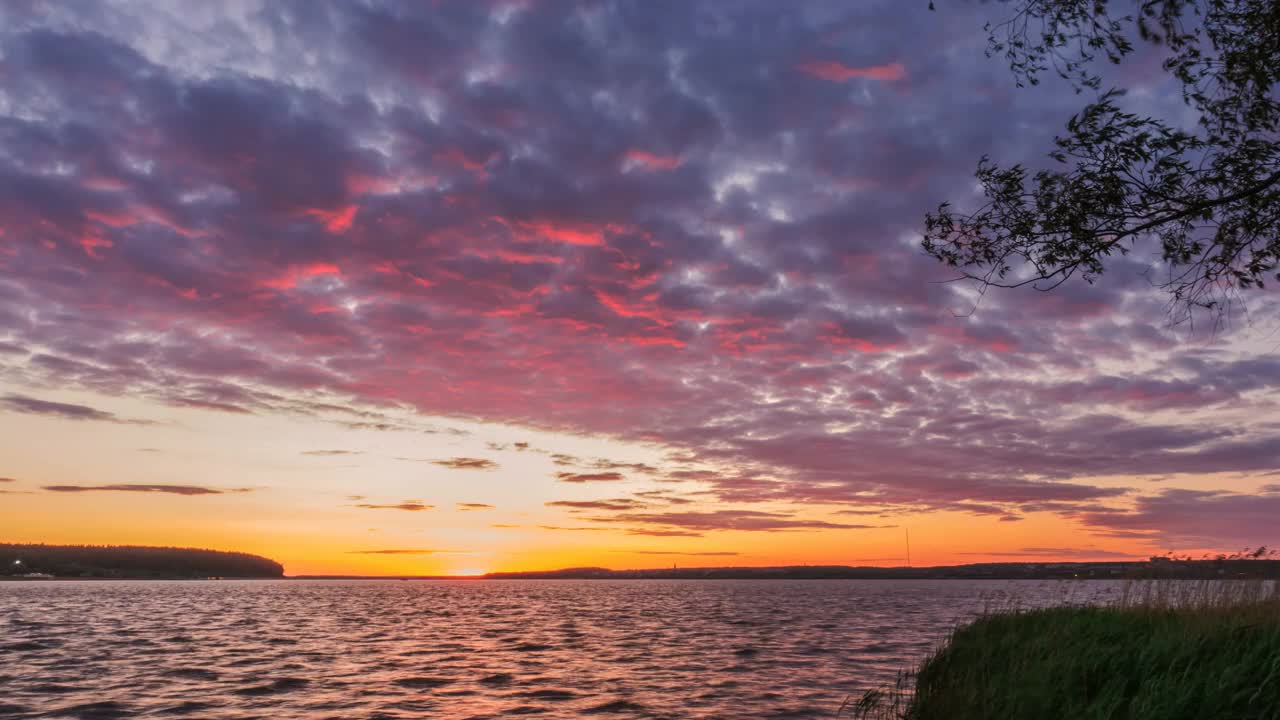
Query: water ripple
x=298 y=650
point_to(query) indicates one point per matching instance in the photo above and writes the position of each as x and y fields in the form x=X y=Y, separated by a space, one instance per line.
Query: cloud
x=652 y=532
x=166 y=489
x=209 y=405
x=466 y=463
x=1195 y=518
x=614 y=504
x=860 y=511
x=377 y=426
x=515 y=446
x=635 y=158
x=1033 y=552
x=474 y=506
x=331 y=453
x=571 y=477
x=659 y=496
x=408 y=506
x=7 y=480
x=749 y=520
x=677 y=552
x=404 y=552
x=646 y=468
x=836 y=72
x=66 y=411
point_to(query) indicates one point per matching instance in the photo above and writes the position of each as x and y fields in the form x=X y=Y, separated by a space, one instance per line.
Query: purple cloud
x=66 y=411
x=1196 y=518
x=465 y=463
x=571 y=477
x=166 y=489
x=403 y=552
x=728 y=520
x=1073 y=553
x=408 y=506
x=614 y=504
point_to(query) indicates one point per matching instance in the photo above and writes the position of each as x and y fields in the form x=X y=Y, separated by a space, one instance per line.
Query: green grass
x=1197 y=652
x=1106 y=664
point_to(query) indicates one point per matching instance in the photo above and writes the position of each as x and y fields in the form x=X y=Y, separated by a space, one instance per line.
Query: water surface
x=473 y=649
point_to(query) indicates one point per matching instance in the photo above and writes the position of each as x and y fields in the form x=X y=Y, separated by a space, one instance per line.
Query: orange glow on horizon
x=282 y=487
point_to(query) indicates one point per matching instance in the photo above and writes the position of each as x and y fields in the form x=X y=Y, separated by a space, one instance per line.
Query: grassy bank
x=1208 y=654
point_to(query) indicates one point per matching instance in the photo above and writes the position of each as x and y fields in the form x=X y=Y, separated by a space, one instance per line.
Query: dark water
x=471 y=649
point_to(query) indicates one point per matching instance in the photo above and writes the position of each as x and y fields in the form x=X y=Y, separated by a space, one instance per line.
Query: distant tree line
x=1226 y=566
x=127 y=561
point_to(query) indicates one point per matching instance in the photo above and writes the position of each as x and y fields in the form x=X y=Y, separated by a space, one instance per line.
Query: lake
x=476 y=648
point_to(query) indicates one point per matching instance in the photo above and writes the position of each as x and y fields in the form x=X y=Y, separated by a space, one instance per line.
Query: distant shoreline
x=1159 y=568
x=35 y=562
x=1156 y=568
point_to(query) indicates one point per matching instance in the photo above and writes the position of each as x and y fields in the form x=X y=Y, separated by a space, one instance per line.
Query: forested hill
x=126 y=561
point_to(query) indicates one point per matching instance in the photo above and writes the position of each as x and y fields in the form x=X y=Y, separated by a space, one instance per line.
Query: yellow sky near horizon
x=291 y=487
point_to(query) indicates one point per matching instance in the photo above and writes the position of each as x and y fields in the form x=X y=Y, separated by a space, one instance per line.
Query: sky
x=458 y=287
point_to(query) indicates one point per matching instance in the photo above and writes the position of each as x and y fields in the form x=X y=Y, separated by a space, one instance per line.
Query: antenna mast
x=908 y=531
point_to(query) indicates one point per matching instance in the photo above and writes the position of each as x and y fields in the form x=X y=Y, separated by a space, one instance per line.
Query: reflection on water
x=473 y=649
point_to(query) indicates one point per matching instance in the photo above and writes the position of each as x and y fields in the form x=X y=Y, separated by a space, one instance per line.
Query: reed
x=1159 y=650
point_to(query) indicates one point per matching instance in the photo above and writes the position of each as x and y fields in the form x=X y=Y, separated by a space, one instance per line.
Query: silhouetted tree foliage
x=127 y=561
x=1209 y=193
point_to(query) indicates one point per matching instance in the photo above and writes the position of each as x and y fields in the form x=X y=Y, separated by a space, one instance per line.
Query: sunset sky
x=455 y=287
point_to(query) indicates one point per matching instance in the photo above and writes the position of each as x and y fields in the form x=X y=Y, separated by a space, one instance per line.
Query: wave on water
x=297 y=650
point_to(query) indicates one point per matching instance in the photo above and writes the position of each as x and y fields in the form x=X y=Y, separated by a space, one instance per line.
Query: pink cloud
x=335 y=221
x=569 y=234
x=459 y=158
x=92 y=244
x=836 y=72
x=291 y=277
x=651 y=161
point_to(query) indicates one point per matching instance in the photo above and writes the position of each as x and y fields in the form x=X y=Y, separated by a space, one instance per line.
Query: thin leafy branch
x=1208 y=194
